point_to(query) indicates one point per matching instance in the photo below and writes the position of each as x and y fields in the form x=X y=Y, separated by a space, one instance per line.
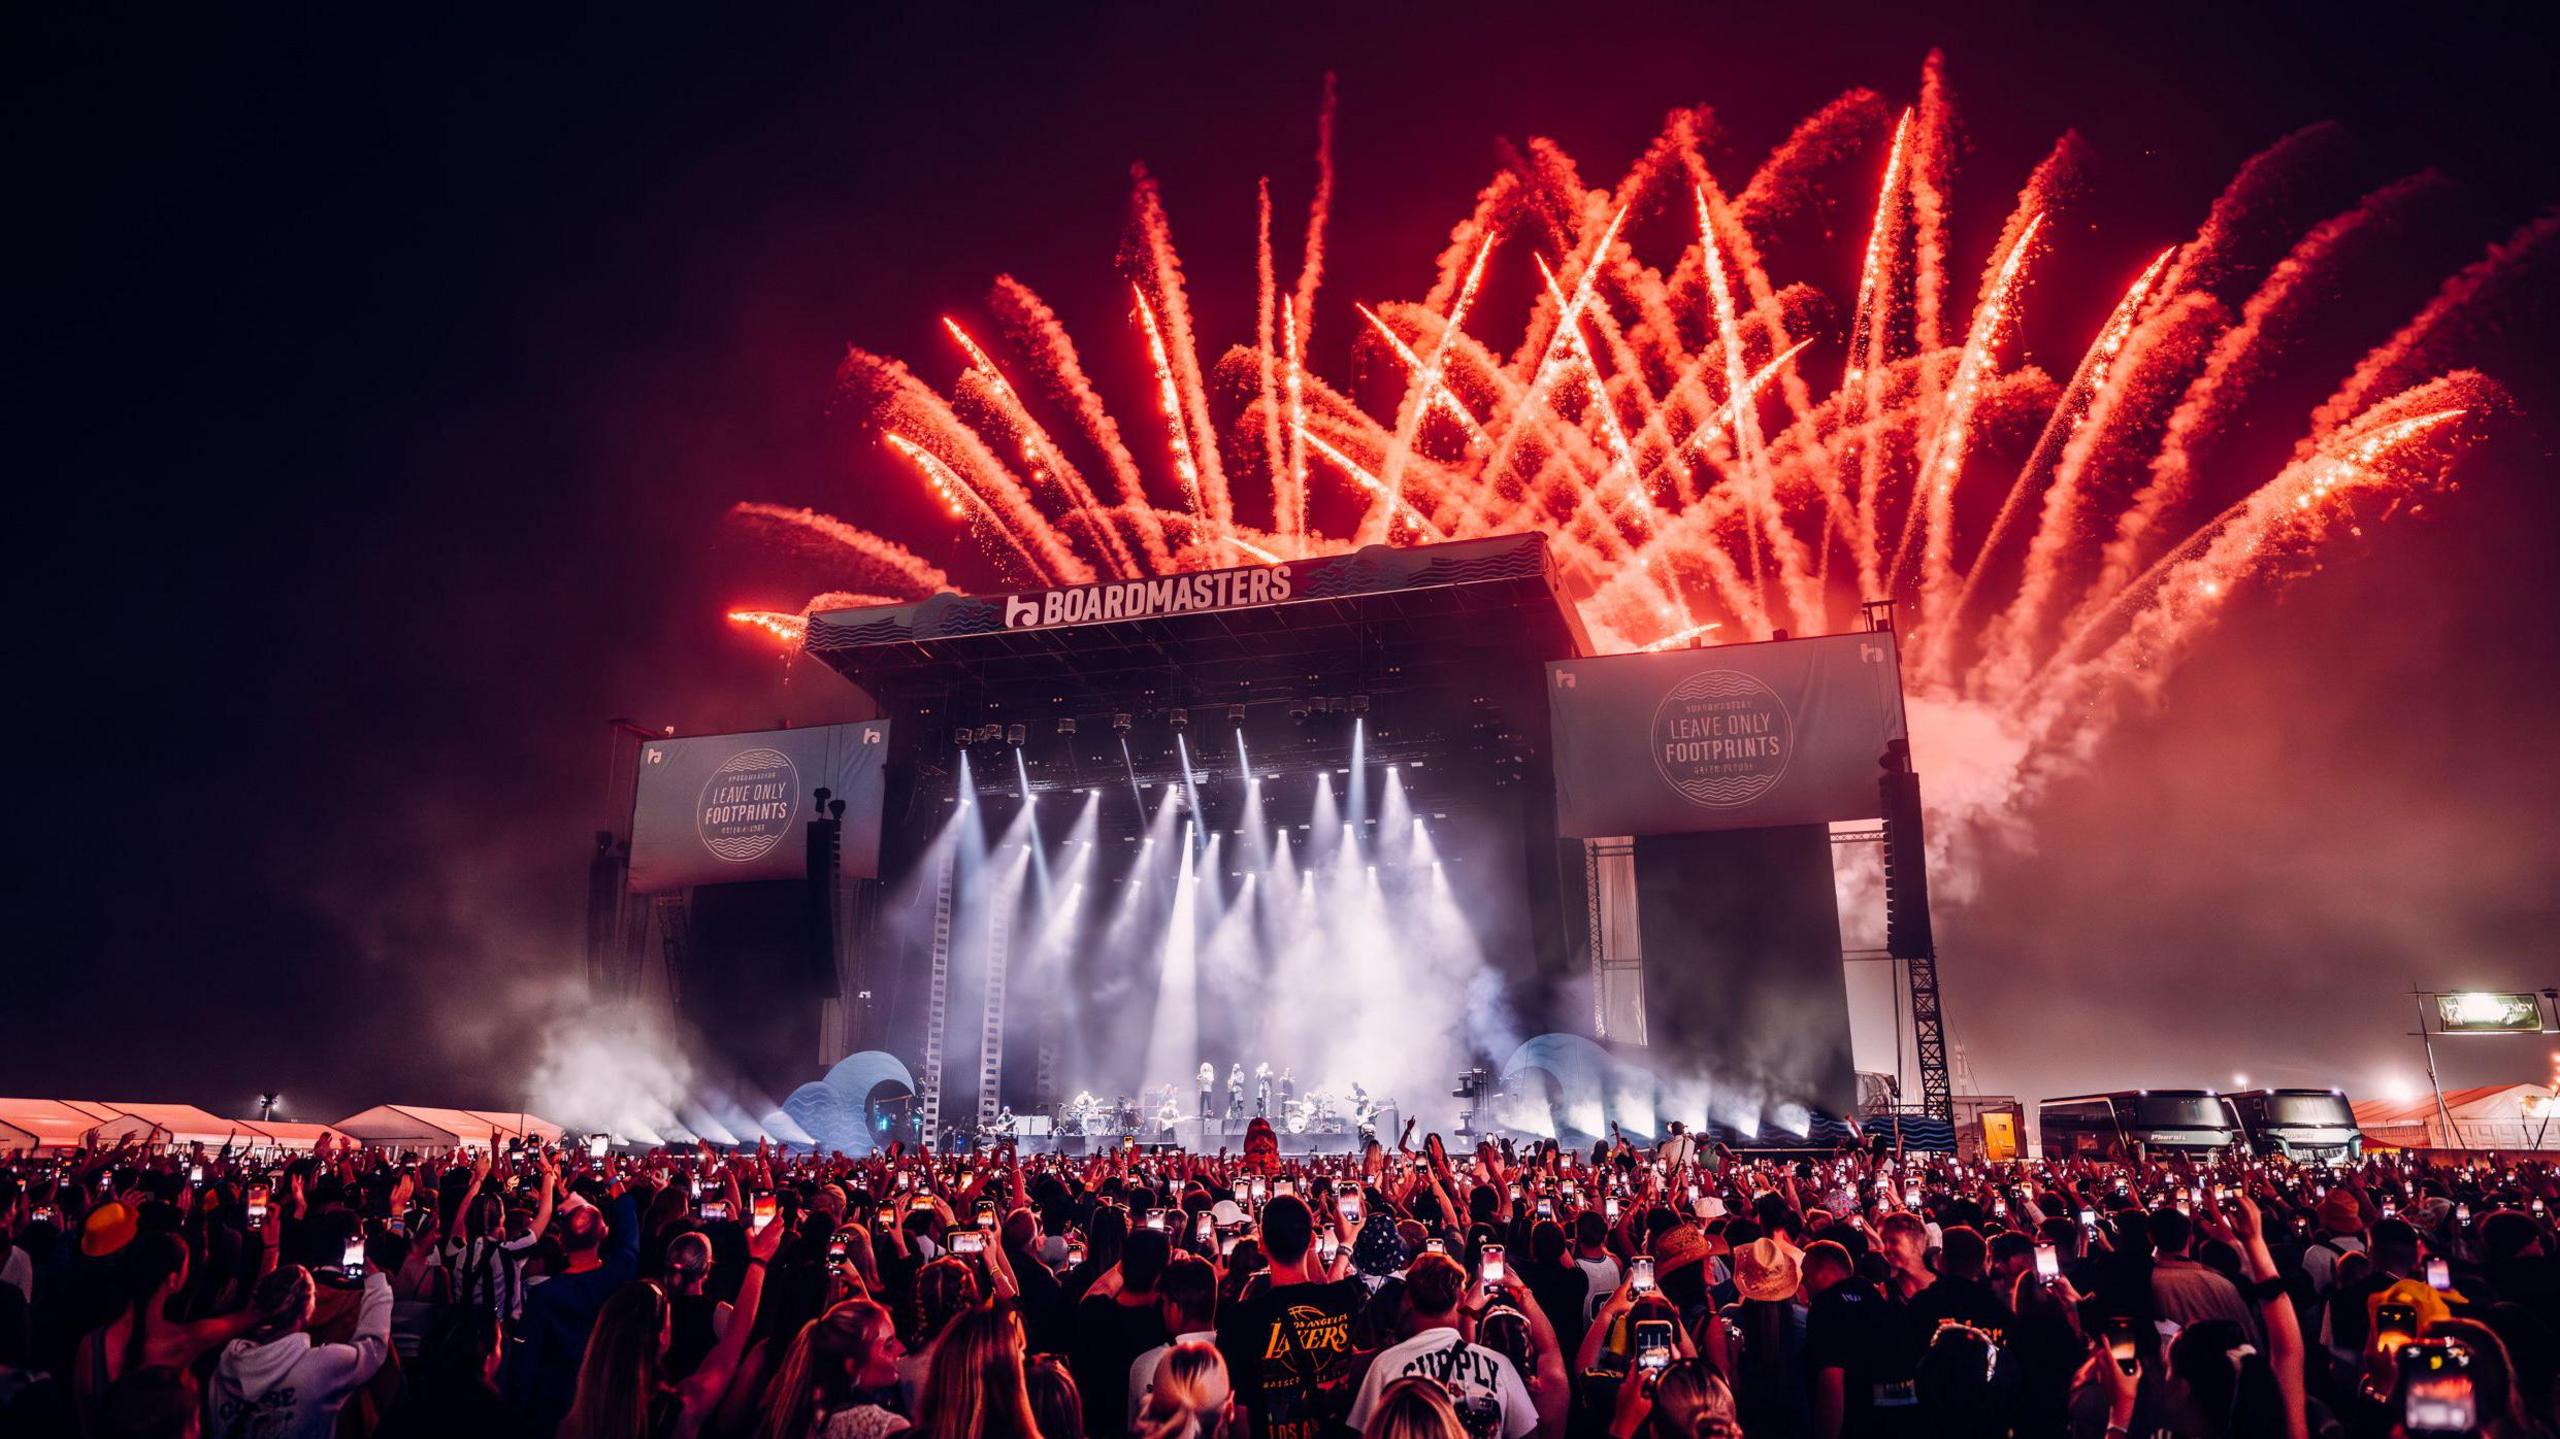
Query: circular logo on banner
x=748 y=803
x=1722 y=739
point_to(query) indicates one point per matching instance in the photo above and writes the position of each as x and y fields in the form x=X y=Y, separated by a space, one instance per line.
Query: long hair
x=145 y=1267
x=1190 y=1385
x=975 y=1385
x=618 y=1380
x=945 y=1289
x=1414 y=1408
x=817 y=1373
x=1056 y=1405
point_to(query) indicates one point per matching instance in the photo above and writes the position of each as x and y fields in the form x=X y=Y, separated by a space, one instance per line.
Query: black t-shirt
x=691 y=1326
x=1109 y=1336
x=1876 y=1345
x=1288 y=1353
x=1965 y=1301
x=1560 y=1289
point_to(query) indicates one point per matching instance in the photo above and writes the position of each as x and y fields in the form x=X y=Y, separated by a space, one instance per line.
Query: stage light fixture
x=1014 y=735
x=1066 y=724
x=1235 y=714
x=1297 y=711
x=1120 y=724
x=1179 y=718
x=960 y=737
x=1357 y=704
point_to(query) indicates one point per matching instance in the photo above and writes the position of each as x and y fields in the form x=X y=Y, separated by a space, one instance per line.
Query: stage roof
x=423 y=1126
x=1265 y=632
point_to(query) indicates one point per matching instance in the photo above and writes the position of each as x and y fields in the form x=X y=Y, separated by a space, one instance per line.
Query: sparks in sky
x=1662 y=428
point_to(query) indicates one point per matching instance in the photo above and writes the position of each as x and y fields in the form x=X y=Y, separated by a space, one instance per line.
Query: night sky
x=387 y=386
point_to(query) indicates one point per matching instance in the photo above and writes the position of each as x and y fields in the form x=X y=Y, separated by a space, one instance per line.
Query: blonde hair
x=1414 y=1408
x=618 y=1379
x=1689 y=1395
x=1190 y=1384
x=975 y=1384
x=814 y=1374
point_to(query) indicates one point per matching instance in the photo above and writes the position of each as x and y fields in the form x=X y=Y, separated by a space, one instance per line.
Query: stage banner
x=729 y=808
x=1727 y=737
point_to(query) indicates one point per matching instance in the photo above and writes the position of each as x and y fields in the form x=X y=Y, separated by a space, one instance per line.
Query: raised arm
x=1554 y=1390
x=2275 y=1311
x=550 y=1193
x=701 y=1390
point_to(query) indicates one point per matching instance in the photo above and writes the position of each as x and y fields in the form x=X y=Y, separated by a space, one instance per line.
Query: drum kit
x=1323 y=1112
x=1091 y=1118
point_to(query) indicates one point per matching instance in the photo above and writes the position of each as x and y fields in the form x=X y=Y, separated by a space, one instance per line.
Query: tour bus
x=2135 y=1123
x=2300 y=1123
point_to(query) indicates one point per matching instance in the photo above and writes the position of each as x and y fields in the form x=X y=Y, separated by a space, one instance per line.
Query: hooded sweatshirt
x=291 y=1388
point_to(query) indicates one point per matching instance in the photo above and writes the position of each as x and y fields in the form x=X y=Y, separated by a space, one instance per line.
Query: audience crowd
x=1401 y=1292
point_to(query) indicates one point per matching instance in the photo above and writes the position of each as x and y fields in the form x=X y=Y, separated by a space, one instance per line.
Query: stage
x=1371 y=821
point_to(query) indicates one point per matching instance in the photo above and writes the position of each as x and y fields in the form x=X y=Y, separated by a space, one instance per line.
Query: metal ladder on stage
x=1929 y=1035
x=938 y=1007
x=1044 y=1079
x=991 y=1025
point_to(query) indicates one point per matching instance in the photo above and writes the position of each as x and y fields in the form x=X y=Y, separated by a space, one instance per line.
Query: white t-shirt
x=1603 y=1276
x=1491 y=1401
x=20 y=1271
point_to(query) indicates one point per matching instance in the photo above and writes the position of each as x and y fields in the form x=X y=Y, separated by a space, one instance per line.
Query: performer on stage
x=1235 y=1093
x=1288 y=1086
x=1262 y=1090
x=1208 y=1086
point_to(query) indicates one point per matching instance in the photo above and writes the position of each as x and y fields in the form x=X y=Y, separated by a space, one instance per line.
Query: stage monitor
x=1727 y=737
x=732 y=808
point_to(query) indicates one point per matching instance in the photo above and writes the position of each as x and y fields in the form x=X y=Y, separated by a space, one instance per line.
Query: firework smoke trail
x=2250 y=208
x=1759 y=490
x=1043 y=453
x=1169 y=397
x=2170 y=606
x=2218 y=389
x=960 y=465
x=1169 y=338
x=1301 y=321
x=792 y=626
x=1036 y=329
x=2154 y=356
x=1932 y=163
x=1424 y=389
x=1689 y=492
x=2069 y=415
x=862 y=553
x=1866 y=355
x=2462 y=294
x=958 y=494
x=1945 y=462
x=1266 y=311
